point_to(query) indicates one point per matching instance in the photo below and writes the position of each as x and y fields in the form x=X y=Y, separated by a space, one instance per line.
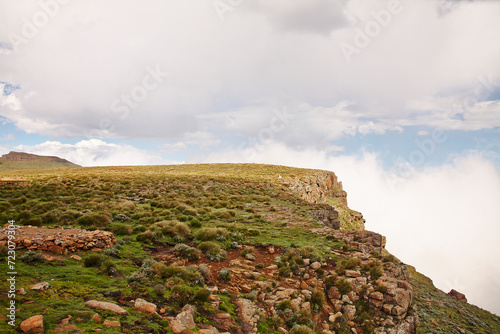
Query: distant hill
x=26 y=161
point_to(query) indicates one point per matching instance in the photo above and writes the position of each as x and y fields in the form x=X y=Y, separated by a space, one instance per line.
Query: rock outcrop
x=58 y=240
x=457 y=295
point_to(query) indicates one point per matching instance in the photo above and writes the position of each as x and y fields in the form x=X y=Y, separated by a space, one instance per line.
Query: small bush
x=94 y=219
x=301 y=329
x=181 y=293
x=376 y=273
x=330 y=280
x=204 y=270
x=317 y=299
x=113 y=251
x=109 y=268
x=212 y=251
x=202 y=295
x=93 y=260
x=32 y=257
x=351 y=263
x=159 y=289
x=211 y=234
x=224 y=275
x=284 y=306
x=246 y=250
x=343 y=285
x=285 y=271
x=190 y=253
x=195 y=223
x=382 y=288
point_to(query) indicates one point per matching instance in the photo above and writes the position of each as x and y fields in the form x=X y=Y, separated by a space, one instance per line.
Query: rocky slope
x=210 y=249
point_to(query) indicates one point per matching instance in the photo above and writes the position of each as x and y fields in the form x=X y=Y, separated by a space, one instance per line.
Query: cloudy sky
x=400 y=98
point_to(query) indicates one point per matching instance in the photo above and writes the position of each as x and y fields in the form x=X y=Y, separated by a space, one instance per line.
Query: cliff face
x=323 y=187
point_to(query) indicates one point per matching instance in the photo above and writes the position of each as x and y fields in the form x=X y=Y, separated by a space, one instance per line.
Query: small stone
x=96 y=318
x=315 y=265
x=39 y=286
x=76 y=257
x=65 y=328
x=111 y=323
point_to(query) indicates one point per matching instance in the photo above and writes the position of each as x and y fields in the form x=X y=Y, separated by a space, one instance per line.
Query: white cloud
x=265 y=55
x=96 y=152
x=443 y=220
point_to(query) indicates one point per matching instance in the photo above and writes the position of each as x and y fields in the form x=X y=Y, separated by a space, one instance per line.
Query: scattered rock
x=111 y=323
x=65 y=328
x=143 y=306
x=39 y=286
x=96 y=318
x=33 y=325
x=106 y=306
x=315 y=265
x=76 y=257
x=457 y=295
x=186 y=316
x=177 y=327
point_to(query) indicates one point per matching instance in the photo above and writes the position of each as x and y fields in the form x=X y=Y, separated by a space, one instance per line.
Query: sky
x=401 y=99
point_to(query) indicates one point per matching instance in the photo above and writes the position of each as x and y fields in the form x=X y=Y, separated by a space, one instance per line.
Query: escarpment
x=323 y=187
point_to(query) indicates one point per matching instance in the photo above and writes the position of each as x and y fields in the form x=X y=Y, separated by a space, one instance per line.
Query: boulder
x=106 y=306
x=186 y=316
x=223 y=321
x=349 y=312
x=177 y=327
x=33 y=325
x=96 y=318
x=143 y=306
x=376 y=299
x=457 y=295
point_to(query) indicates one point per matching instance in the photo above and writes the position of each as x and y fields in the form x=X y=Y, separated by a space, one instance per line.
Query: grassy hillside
x=14 y=161
x=235 y=229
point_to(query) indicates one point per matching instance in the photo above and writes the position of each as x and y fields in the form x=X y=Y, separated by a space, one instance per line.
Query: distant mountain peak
x=25 y=161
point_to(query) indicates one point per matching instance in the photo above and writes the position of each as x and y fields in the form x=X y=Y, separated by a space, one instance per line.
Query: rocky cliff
x=322 y=187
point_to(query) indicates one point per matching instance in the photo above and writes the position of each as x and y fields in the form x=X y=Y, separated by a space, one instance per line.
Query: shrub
x=181 y=293
x=285 y=271
x=224 y=275
x=146 y=237
x=93 y=260
x=204 y=270
x=317 y=299
x=139 y=229
x=330 y=280
x=301 y=329
x=190 y=253
x=94 y=219
x=34 y=221
x=343 y=285
x=187 y=274
x=109 y=268
x=246 y=250
x=376 y=273
x=113 y=251
x=382 y=288
x=210 y=234
x=32 y=257
x=195 y=223
x=159 y=289
x=202 y=295
x=351 y=263
x=212 y=251
x=302 y=317
x=284 y=306
x=259 y=265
